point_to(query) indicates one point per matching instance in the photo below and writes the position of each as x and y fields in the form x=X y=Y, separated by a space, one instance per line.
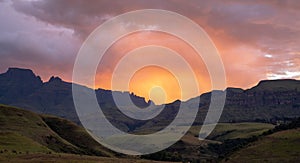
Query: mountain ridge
x=268 y=101
x=12 y=70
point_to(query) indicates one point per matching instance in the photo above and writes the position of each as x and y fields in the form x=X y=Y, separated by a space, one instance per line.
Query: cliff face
x=18 y=83
x=268 y=101
x=267 y=93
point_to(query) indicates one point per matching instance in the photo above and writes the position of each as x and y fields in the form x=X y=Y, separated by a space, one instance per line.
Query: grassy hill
x=23 y=131
x=72 y=158
x=225 y=131
x=283 y=146
x=27 y=136
x=190 y=149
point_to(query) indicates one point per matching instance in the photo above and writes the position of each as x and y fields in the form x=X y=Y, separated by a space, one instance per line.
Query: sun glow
x=155 y=83
x=157 y=79
x=158 y=95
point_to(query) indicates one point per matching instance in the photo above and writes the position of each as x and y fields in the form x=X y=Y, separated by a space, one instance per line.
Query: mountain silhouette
x=268 y=101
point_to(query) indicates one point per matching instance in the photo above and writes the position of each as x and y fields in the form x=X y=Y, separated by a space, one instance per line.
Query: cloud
x=49 y=33
x=27 y=42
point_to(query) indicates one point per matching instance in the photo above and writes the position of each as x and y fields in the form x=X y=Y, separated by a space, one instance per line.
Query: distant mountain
x=269 y=101
x=17 y=83
x=22 y=88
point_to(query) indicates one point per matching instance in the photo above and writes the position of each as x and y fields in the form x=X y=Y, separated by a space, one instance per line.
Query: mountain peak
x=54 y=78
x=21 y=74
x=15 y=70
x=277 y=81
x=18 y=83
x=277 y=84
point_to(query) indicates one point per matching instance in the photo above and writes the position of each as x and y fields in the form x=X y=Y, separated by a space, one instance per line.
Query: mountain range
x=269 y=101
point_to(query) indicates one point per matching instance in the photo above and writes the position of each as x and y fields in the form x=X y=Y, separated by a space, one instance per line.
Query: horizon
x=146 y=100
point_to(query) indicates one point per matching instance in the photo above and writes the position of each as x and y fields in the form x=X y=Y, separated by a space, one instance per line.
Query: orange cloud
x=135 y=40
x=256 y=39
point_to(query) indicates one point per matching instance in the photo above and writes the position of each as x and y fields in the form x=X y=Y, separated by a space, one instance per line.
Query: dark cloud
x=29 y=43
x=80 y=15
x=50 y=32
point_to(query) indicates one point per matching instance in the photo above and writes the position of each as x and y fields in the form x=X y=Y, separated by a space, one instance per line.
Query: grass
x=192 y=149
x=283 y=146
x=29 y=137
x=31 y=126
x=11 y=142
x=70 y=158
x=225 y=131
x=24 y=131
x=76 y=135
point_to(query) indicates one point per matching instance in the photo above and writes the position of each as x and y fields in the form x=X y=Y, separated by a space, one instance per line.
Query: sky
x=257 y=40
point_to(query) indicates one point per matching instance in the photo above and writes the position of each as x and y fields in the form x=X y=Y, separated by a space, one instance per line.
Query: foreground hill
x=283 y=146
x=25 y=132
x=27 y=136
x=62 y=158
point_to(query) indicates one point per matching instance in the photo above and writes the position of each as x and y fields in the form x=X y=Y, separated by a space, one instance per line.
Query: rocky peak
x=18 y=83
x=20 y=75
x=54 y=79
x=278 y=85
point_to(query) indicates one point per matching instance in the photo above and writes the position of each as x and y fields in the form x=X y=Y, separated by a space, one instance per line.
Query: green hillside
x=23 y=131
x=191 y=149
x=283 y=146
x=225 y=131
x=27 y=136
x=70 y=158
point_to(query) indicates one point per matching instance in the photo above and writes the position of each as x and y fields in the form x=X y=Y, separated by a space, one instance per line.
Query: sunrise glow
x=259 y=43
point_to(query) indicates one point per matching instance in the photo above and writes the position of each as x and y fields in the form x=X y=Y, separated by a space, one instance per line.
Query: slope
x=23 y=131
x=283 y=146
